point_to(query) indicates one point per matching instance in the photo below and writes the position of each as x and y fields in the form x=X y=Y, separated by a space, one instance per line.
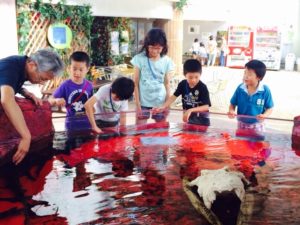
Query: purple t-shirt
x=75 y=96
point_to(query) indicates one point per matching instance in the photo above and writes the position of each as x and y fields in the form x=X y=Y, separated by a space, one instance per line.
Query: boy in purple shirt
x=74 y=92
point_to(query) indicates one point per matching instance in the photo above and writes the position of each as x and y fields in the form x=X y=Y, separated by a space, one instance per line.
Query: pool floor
x=136 y=178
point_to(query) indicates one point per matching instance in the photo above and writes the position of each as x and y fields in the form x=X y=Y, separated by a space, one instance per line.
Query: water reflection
x=18 y=186
x=137 y=178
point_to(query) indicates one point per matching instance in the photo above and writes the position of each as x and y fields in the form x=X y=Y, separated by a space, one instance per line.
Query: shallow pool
x=135 y=176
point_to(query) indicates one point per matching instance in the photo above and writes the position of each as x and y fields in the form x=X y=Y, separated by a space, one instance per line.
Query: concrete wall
x=255 y=13
x=161 y=9
x=8 y=24
x=205 y=27
x=297 y=31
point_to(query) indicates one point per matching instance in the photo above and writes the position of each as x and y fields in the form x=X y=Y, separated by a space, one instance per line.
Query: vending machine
x=267 y=46
x=240 y=46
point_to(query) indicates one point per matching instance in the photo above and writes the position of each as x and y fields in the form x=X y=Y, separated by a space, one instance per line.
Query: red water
x=137 y=179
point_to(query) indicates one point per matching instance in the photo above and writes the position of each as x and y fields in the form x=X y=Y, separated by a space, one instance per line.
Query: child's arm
x=123 y=119
x=166 y=105
x=56 y=101
x=265 y=114
x=231 y=112
x=89 y=110
x=187 y=113
x=167 y=84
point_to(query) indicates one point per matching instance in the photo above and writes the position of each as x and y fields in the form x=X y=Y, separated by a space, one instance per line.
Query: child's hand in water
x=186 y=115
x=97 y=130
x=231 y=114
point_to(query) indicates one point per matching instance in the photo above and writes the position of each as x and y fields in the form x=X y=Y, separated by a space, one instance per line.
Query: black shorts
x=199 y=119
x=103 y=123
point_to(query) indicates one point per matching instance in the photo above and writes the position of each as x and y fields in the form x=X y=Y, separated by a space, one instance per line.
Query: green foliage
x=118 y=24
x=100 y=39
x=181 y=4
x=79 y=17
x=23 y=24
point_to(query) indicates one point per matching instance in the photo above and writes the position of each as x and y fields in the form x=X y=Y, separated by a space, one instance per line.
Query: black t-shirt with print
x=192 y=97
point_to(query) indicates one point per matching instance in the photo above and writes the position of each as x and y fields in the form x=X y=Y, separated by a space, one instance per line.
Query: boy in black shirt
x=195 y=96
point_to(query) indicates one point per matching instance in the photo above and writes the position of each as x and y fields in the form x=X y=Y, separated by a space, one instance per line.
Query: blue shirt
x=254 y=104
x=152 y=75
x=12 y=72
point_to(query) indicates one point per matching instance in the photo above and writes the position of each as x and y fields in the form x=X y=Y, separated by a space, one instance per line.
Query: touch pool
x=136 y=176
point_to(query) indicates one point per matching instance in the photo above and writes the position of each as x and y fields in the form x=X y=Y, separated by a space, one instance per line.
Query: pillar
x=297 y=33
x=174 y=32
x=9 y=37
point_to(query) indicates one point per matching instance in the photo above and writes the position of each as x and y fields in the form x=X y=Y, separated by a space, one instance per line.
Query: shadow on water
x=134 y=176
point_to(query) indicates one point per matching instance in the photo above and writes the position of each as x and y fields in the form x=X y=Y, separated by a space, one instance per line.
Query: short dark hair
x=80 y=56
x=258 y=67
x=123 y=87
x=192 y=66
x=155 y=36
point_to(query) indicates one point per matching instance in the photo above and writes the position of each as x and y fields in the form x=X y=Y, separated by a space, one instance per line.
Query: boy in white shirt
x=108 y=99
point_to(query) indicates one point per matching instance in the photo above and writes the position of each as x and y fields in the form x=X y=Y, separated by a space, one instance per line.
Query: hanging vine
x=101 y=39
x=78 y=17
x=181 y=4
x=23 y=23
x=118 y=24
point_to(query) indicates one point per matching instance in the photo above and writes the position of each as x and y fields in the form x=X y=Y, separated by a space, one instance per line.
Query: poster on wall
x=114 y=42
x=59 y=36
x=193 y=29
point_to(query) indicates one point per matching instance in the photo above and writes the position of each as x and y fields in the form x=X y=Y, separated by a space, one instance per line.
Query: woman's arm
x=167 y=84
x=137 y=88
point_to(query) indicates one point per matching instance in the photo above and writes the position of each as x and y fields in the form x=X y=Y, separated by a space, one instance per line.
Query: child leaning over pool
x=195 y=95
x=74 y=92
x=252 y=98
x=108 y=99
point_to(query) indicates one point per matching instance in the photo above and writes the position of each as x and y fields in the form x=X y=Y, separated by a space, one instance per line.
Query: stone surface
x=39 y=122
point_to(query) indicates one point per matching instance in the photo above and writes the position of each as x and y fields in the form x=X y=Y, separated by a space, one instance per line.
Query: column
x=8 y=21
x=174 y=32
x=297 y=33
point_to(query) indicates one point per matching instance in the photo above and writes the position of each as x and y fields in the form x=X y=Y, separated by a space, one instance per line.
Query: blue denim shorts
x=146 y=114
